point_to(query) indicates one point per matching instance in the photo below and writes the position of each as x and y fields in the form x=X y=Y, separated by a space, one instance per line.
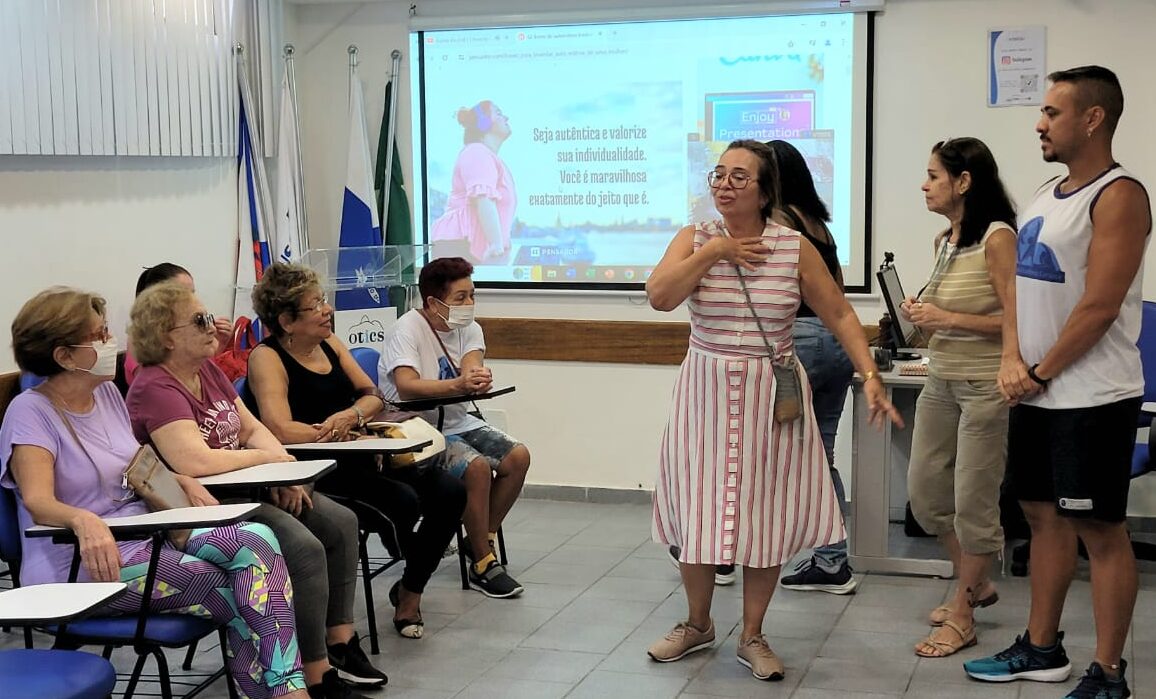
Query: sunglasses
x=205 y=322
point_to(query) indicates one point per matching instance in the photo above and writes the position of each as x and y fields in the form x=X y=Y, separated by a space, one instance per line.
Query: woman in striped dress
x=735 y=485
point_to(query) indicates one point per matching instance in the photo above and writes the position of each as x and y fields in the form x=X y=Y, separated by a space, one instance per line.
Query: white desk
x=143 y=525
x=273 y=475
x=53 y=603
x=874 y=453
x=377 y=445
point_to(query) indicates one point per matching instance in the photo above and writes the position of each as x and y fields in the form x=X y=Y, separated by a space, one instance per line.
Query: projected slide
x=572 y=154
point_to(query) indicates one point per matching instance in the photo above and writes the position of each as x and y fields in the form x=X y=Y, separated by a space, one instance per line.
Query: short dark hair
x=986 y=200
x=436 y=277
x=768 y=171
x=158 y=274
x=796 y=184
x=280 y=290
x=1097 y=87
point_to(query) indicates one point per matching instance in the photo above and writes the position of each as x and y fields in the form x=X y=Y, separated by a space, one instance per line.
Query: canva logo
x=366 y=332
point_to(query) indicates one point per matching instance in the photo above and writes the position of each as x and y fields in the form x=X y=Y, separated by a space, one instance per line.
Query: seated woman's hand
x=336 y=427
x=197 y=494
x=223 y=328
x=476 y=380
x=293 y=499
x=98 y=551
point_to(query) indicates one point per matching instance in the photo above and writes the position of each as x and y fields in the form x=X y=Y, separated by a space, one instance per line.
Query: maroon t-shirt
x=157 y=398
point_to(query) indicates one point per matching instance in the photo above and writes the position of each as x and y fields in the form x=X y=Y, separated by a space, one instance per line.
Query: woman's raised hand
x=744 y=252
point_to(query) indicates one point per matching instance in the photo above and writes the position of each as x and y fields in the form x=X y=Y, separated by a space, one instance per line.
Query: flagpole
x=387 y=184
x=302 y=216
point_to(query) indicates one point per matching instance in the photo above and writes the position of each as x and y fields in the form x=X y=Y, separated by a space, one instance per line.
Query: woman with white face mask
x=305 y=385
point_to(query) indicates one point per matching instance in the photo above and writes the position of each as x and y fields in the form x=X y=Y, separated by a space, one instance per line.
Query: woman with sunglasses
x=187 y=409
x=740 y=482
x=63 y=448
x=305 y=385
x=959 y=443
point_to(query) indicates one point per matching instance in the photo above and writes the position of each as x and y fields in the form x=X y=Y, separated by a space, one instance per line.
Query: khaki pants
x=958 y=456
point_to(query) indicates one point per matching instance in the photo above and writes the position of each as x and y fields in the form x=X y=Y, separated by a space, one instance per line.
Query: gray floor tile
x=598 y=593
x=600 y=684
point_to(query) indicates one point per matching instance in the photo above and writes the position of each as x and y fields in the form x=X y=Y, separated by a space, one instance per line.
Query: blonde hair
x=280 y=290
x=56 y=317
x=154 y=314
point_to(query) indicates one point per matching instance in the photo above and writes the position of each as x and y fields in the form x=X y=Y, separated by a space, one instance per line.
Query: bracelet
x=872 y=374
x=360 y=415
x=1036 y=377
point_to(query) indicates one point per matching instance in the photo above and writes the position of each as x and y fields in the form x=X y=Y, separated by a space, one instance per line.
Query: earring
x=289 y=339
x=1089 y=133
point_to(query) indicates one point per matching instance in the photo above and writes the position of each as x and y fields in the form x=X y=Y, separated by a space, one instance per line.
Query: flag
x=359 y=222
x=288 y=234
x=252 y=203
x=397 y=223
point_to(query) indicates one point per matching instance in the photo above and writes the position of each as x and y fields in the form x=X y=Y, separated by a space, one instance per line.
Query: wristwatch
x=360 y=416
x=1036 y=377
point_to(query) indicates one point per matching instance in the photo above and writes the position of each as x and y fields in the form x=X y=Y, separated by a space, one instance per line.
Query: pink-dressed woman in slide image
x=480 y=209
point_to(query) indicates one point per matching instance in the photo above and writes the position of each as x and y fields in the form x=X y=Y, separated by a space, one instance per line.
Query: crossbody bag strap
x=751 y=306
x=449 y=359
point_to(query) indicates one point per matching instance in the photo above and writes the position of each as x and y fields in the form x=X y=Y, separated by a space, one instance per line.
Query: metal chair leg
x=502 y=547
x=229 y=683
x=188 y=664
x=134 y=678
x=367 y=581
x=462 y=561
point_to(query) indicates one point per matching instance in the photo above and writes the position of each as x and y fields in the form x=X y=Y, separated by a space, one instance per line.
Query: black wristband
x=1035 y=377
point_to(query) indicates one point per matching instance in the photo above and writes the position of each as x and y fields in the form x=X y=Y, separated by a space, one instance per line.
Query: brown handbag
x=147 y=476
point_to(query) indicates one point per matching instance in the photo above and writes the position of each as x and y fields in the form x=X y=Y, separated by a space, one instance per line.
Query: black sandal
x=406 y=628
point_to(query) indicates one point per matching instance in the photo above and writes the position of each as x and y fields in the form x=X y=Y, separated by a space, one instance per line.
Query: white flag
x=287 y=233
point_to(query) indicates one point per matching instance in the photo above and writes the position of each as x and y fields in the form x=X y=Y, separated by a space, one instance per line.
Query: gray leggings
x=320 y=551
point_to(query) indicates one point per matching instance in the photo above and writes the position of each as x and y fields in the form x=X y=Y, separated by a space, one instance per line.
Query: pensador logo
x=366 y=332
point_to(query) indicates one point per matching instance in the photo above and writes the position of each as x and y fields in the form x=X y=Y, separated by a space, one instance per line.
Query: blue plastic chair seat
x=55 y=674
x=162 y=629
x=367 y=358
x=1140 y=462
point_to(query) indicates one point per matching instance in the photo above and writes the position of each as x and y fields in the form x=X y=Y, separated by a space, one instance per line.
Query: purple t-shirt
x=32 y=421
x=157 y=398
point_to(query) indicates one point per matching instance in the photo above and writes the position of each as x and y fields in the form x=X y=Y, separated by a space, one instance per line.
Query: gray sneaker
x=495 y=582
x=680 y=642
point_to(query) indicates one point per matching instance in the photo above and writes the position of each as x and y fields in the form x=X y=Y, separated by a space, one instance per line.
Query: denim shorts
x=486 y=441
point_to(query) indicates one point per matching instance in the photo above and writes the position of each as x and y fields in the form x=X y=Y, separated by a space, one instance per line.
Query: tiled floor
x=598 y=592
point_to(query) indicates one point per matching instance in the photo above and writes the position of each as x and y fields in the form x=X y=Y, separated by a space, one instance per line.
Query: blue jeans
x=829 y=372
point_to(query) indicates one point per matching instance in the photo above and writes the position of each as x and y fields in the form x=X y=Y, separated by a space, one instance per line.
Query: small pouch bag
x=788 y=389
x=410 y=428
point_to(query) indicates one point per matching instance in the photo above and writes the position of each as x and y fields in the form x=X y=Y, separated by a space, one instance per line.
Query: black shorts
x=1078 y=458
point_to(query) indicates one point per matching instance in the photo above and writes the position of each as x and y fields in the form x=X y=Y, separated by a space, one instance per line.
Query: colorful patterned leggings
x=234 y=575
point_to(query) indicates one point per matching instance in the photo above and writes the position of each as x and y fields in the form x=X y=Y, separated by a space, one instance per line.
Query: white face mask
x=459 y=316
x=105 y=358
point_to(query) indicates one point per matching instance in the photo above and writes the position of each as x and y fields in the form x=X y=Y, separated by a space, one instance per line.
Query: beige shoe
x=758 y=656
x=680 y=642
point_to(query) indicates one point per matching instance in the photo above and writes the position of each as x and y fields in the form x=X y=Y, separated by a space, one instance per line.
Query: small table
x=143 y=526
x=418 y=405
x=873 y=454
x=273 y=475
x=54 y=603
x=379 y=445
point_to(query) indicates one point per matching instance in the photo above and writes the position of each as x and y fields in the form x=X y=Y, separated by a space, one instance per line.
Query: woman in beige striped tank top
x=959 y=443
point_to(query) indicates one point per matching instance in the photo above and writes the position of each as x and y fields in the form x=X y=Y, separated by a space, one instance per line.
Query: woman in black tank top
x=305 y=385
x=829 y=370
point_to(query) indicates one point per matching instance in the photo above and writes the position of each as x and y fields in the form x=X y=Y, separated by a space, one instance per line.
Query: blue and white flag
x=359 y=223
x=252 y=203
x=288 y=235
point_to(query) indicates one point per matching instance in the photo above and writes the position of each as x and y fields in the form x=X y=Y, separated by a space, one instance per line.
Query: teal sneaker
x=1023 y=661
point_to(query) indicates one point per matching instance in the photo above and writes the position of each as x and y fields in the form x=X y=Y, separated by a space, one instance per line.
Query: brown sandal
x=932 y=647
x=943 y=613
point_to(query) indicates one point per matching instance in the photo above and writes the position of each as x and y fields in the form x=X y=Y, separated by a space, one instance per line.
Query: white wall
x=96 y=222
x=599 y=425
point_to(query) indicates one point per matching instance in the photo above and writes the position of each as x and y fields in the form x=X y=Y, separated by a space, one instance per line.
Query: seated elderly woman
x=63 y=448
x=306 y=387
x=183 y=404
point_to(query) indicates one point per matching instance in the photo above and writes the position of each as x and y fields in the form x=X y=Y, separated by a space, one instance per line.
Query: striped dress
x=734 y=485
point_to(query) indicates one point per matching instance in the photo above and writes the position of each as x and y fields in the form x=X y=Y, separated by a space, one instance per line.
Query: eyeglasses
x=317 y=307
x=205 y=322
x=738 y=178
x=102 y=335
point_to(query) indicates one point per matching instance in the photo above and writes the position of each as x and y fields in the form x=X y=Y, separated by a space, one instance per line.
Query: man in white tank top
x=1071 y=370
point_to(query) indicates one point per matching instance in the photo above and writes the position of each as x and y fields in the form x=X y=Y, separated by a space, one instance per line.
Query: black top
x=826 y=251
x=312 y=397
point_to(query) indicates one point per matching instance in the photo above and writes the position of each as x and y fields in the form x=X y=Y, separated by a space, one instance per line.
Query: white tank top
x=1051 y=264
